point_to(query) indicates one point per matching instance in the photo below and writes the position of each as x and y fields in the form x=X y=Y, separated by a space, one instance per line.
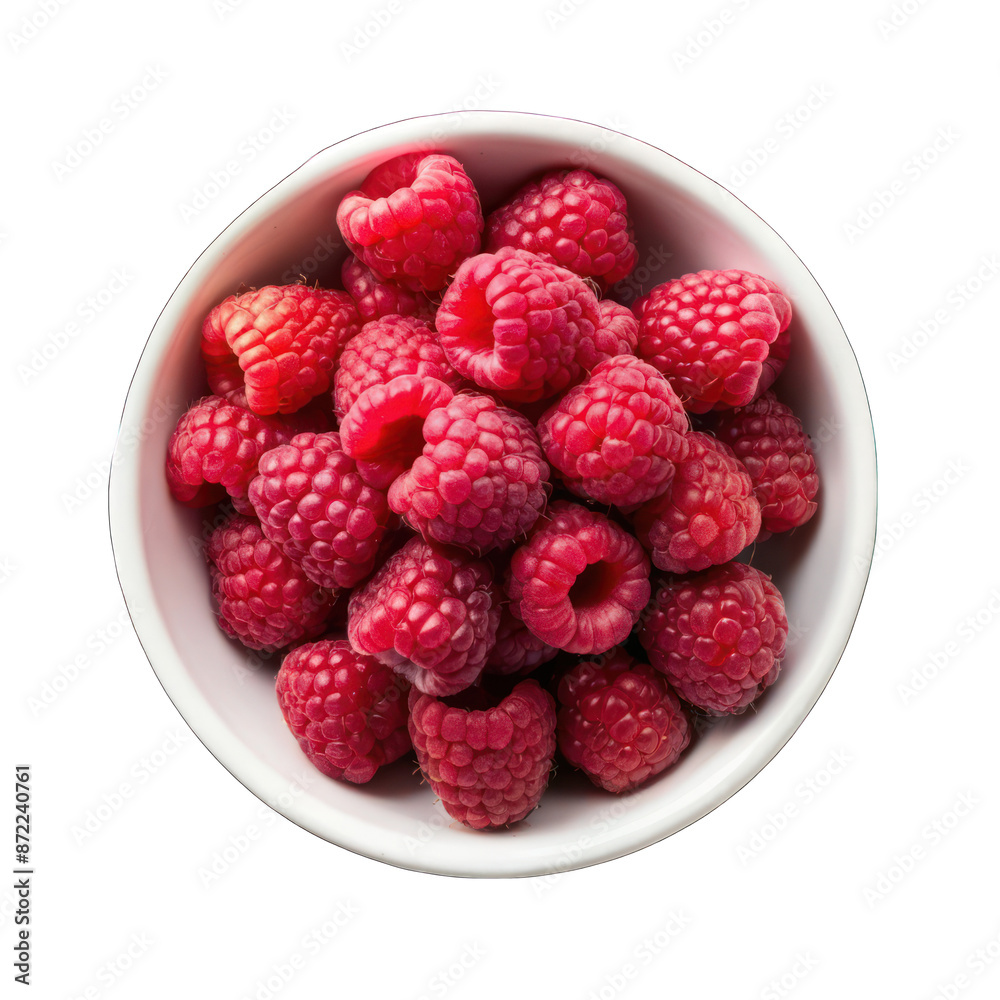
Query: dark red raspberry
x=616 y=437
x=709 y=333
x=347 y=710
x=489 y=765
x=414 y=219
x=571 y=218
x=383 y=429
x=770 y=441
x=482 y=479
x=431 y=613
x=619 y=722
x=263 y=598
x=580 y=581
x=213 y=452
x=718 y=636
x=517 y=651
x=708 y=515
x=376 y=296
x=385 y=349
x=617 y=334
x=311 y=501
x=515 y=324
x=274 y=348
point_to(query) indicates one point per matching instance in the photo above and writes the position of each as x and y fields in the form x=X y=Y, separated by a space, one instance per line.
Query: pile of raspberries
x=484 y=512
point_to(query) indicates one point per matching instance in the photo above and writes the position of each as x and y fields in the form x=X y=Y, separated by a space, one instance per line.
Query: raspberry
x=619 y=722
x=311 y=501
x=414 y=219
x=618 y=333
x=213 y=452
x=263 y=598
x=384 y=349
x=515 y=324
x=481 y=480
x=580 y=582
x=571 y=218
x=430 y=613
x=708 y=515
x=274 y=348
x=616 y=437
x=383 y=429
x=770 y=441
x=778 y=353
x=517 y=651
x=376 y=297
x=347 y=710
x=709 y=334
x=718 y=636
x=488 y=765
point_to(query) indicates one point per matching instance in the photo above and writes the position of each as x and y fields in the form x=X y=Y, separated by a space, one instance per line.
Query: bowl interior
x=684 y=222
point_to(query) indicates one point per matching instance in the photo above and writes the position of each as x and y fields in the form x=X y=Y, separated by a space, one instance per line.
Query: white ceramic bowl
x=226 y=695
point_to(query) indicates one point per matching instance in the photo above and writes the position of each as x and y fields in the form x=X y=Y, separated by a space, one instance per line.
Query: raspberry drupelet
x=376 y=296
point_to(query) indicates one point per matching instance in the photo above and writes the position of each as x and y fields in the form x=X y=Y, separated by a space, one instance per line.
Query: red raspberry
x=619 y=722
x=311 y=501
x=347 y=710
x=376 y=297
x=708 y=515
x=617 y=437
x=618 y=333
x=779 y=351
x=718 y=636
x=384 y=349
x=571 y=218
x=709 y=334
x=213 y=452
x=488 y=765
x=430 y=613
x=383 y=429
x=263 y=598
x=414 y=219
x=482 y=479
x=517 y=651
x=515 y=324
x=580 y=581
x=274 y=348
x=770 y=441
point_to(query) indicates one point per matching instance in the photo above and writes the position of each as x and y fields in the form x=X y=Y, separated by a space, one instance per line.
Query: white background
x=882 y=878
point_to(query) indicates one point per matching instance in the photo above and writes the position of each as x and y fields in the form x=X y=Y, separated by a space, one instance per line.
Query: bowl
x=684 y=222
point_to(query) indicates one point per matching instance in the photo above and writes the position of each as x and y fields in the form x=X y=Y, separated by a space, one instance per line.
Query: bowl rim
x=126 y=531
